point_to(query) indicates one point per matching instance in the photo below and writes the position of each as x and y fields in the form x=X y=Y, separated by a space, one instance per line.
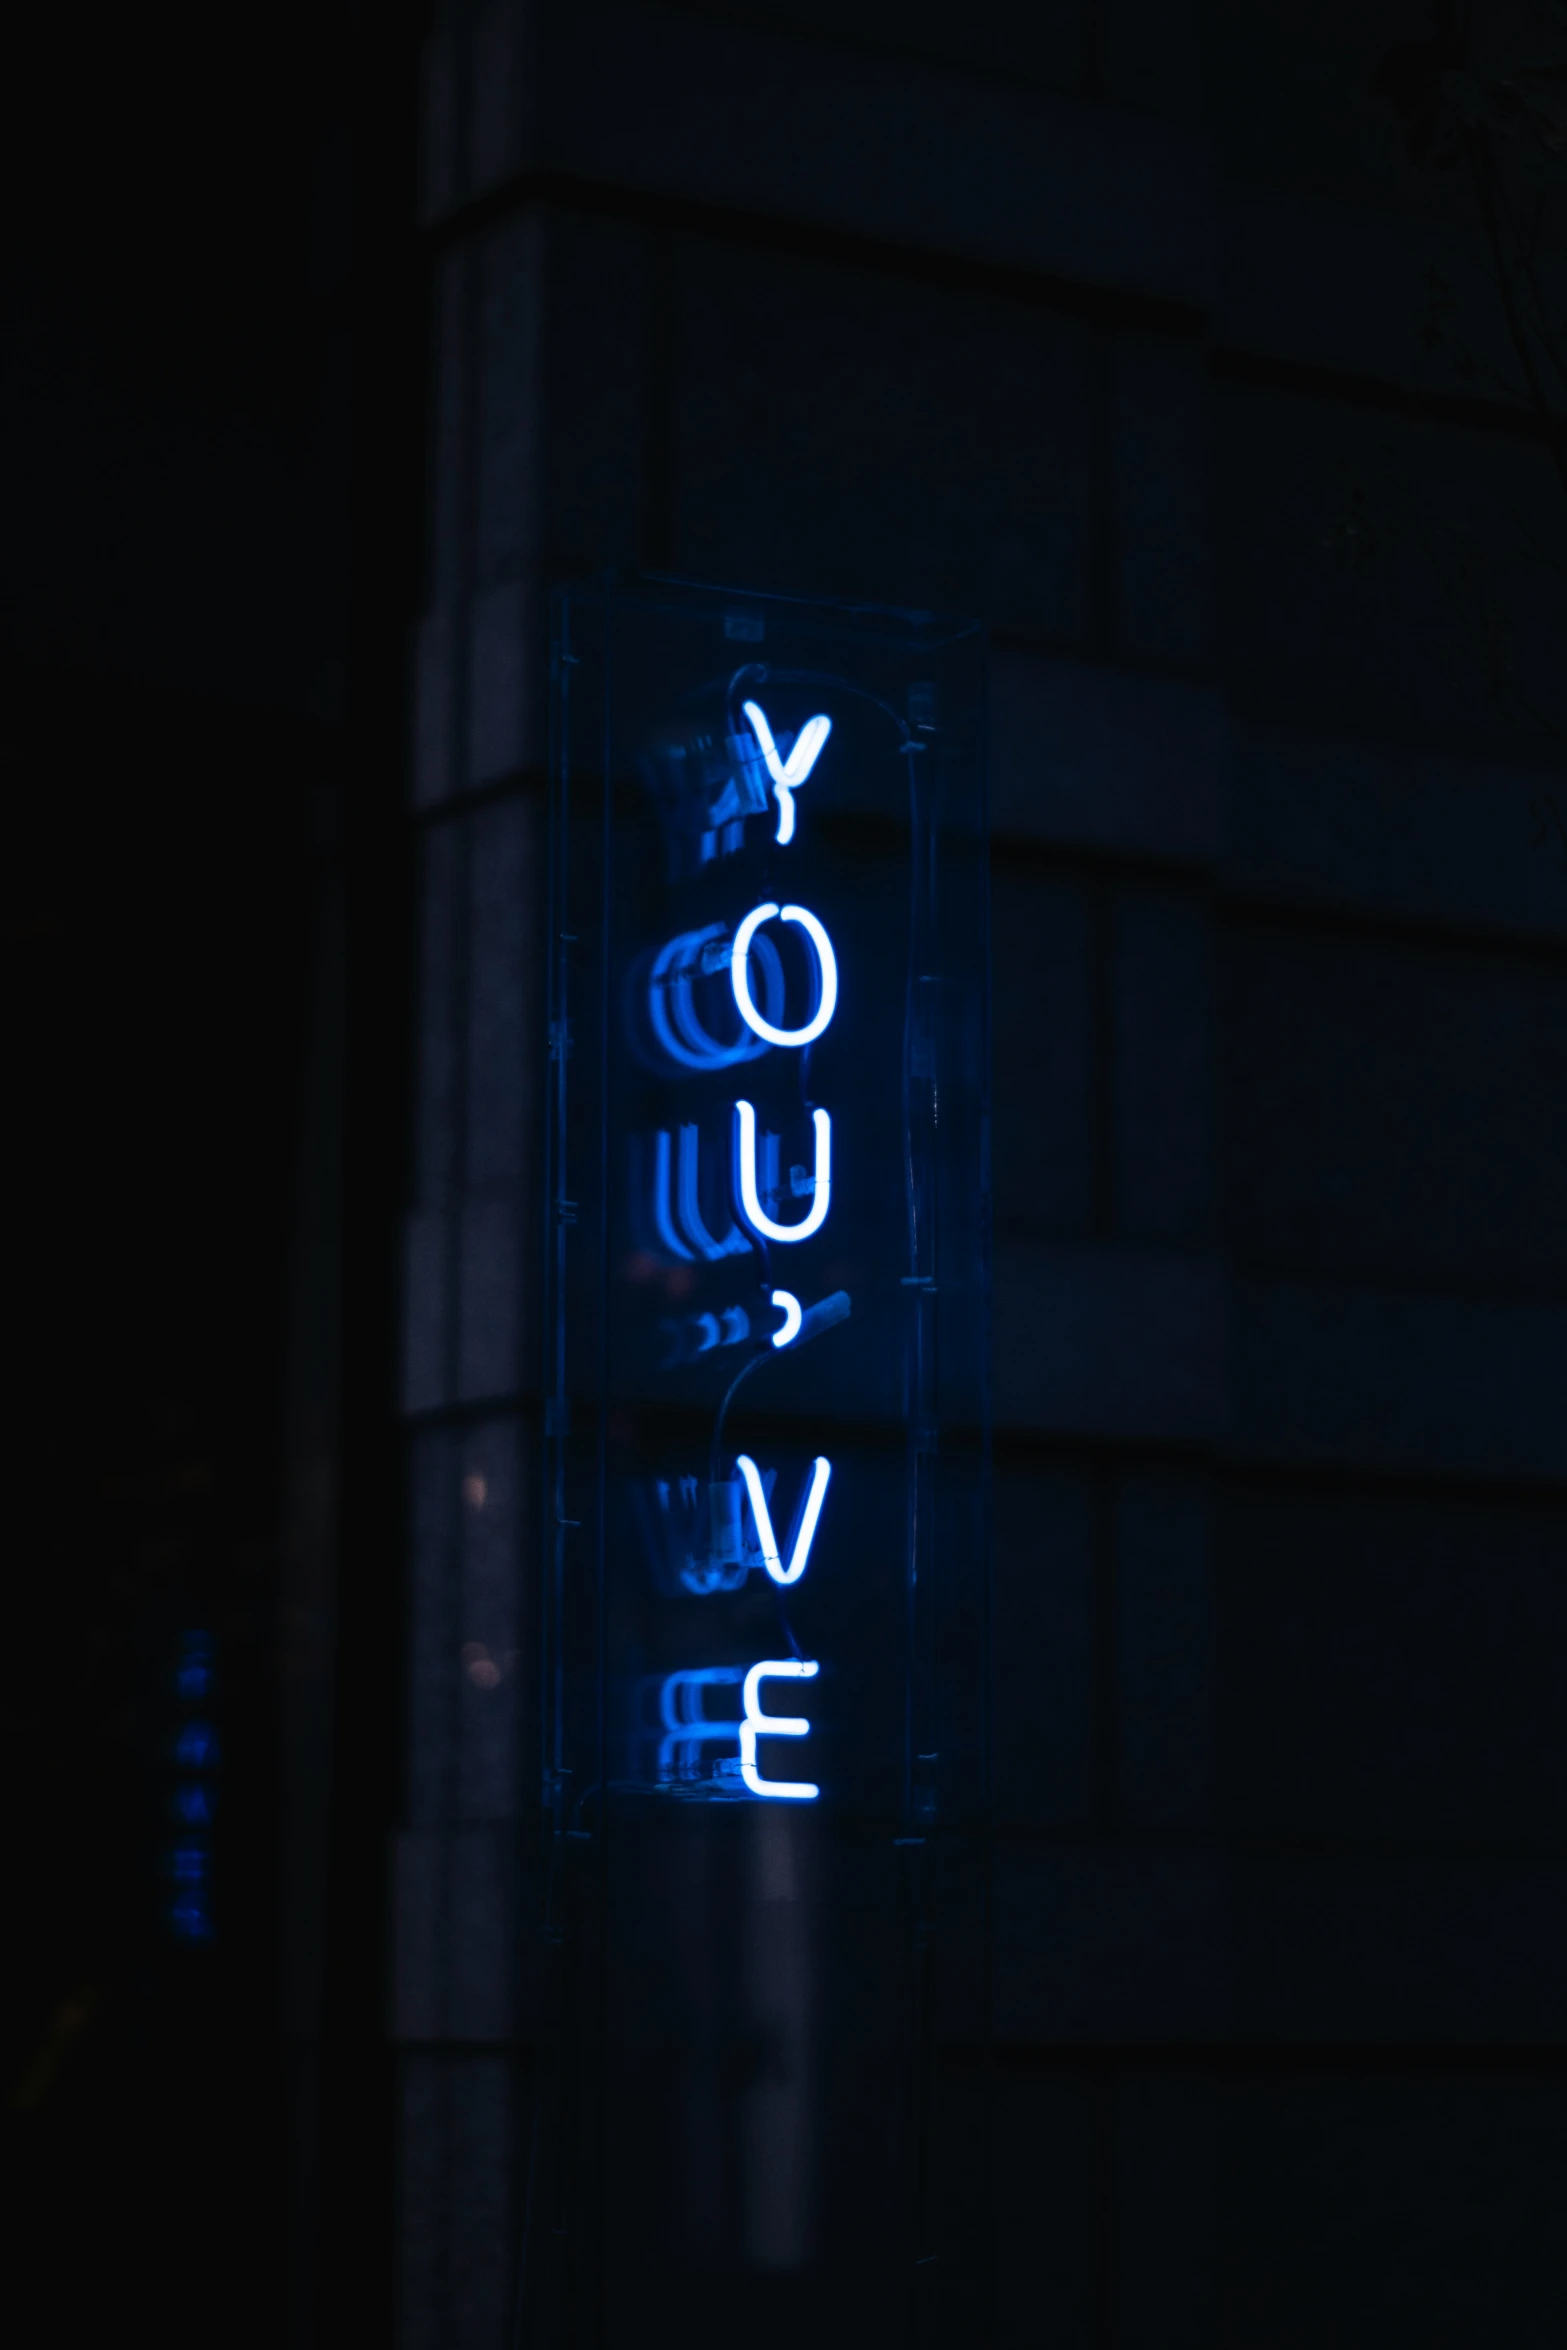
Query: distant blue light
x=191 y=1920
x=193 y=1675
x=789 y=1307
x=194 y=1804
x=804 y=1532
x=827 y=975
x=820 y=1183
x=788 y=775
x=188 y=1863
x=756 y=1725
x=197 y=1746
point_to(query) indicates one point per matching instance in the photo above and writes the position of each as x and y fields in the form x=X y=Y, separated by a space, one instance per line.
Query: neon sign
x=763 y=1396
x=685 y=1034
x=757 y=1725
x=788 y=775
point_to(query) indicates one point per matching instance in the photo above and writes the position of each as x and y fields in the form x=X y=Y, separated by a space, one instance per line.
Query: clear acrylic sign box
x=760 y=1883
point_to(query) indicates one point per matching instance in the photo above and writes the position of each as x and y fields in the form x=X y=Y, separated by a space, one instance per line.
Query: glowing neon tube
x=826 y=966
x=756 y=1724
x=789 y=1307
x=750 y=1204
x=805 y=1524
x=788 y=775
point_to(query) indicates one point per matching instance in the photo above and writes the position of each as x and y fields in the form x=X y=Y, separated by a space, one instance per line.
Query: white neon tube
x=827 y=970
x=756 y=1725
x=789 y=1307
x=745 y=1178
x=788 y=775
x=805 y=1529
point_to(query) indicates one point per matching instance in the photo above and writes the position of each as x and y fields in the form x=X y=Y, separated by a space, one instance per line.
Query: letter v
x=803 y=1533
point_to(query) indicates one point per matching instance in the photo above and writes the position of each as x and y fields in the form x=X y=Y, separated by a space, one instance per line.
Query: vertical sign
x=763 y=1598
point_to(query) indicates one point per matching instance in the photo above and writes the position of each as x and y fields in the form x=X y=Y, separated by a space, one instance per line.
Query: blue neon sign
x=788 y=774
x=695 y=1032
x=761 y=1636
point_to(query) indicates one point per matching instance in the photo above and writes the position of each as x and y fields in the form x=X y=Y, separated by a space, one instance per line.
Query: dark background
x=217 y=368
x=181 y=764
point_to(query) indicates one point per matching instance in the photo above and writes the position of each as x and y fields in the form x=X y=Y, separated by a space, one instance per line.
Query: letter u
x=748 y=1202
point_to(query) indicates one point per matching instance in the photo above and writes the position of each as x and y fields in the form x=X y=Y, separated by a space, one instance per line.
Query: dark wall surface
x=175 y=674
x=1112 y=323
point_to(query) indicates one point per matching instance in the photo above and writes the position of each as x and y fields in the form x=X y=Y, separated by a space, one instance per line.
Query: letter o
x=826 y=964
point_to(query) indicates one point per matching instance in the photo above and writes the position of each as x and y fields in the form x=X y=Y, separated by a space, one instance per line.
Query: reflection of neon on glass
x=733 y=1244
x=804 y=1530
x=789 y=1307
x=681 y=1704
x=667 y=1234
x=669 y=992
x=826 y=966
x=759 y=1725
x=820 y=1182
x=788 y=775
x=193 y=1676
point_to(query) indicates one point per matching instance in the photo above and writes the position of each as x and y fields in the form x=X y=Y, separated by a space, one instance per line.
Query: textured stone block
x=1432 y=834
x=937 y=449
x=1108 y=1341
x=1044 y=1759
x=1365 y=2212
x=1164 y=556
x=1163 y=1067
x=1386 y=1946
x=1105 y=758
x=1365 y=634
x=1166 y=1667
x=1166 y=2223
x=456 y=2225
x=651 y=98
x=1397 y=1666
x=1111 y=1943
x=1049 y=2162
x=426 y=1376
x=602 y=420
x=454 y=1927
x=1327 y=1372
x=1042 y=1052
x=1395 y=1114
